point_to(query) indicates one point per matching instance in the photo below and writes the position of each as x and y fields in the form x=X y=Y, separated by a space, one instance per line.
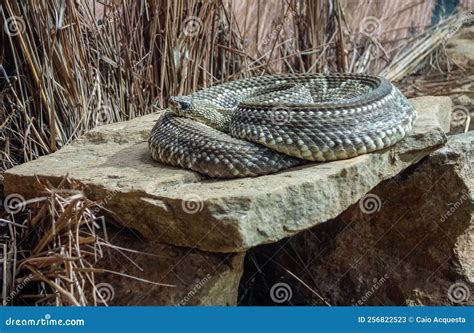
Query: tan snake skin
x=264 y=124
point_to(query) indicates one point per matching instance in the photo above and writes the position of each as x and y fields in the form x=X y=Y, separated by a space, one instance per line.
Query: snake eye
x=180 y=102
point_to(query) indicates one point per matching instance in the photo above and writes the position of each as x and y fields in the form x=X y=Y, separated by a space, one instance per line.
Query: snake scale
x=261 y=125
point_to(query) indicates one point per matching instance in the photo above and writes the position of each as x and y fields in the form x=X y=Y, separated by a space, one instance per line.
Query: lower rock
x=200 y=278
x=410 y=241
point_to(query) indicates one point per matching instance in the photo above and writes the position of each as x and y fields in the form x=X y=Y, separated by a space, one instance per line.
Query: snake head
x=179 y=104
x=202 y=111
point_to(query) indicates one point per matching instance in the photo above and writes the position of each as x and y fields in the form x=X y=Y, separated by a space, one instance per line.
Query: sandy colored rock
x=179 y=207
x=463 y=114
x=410 y=241
x=200 y=278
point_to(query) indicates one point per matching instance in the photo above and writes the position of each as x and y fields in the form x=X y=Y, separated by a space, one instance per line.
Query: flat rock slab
x=182 y=208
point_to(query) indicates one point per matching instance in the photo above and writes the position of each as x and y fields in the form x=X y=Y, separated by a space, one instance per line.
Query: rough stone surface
x=179 y=207
x=200 y=278
x=463 y=113
x=414 y=245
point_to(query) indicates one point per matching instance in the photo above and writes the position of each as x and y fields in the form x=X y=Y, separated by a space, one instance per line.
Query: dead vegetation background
x=66 y=67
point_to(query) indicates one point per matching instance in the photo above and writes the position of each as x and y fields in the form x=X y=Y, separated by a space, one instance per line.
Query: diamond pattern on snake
x=266 y=124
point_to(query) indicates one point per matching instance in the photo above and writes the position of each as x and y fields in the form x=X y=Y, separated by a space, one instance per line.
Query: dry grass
x=66 y=72
x=52 y=248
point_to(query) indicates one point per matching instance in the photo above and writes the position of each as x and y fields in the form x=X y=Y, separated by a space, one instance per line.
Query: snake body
x=264 y=124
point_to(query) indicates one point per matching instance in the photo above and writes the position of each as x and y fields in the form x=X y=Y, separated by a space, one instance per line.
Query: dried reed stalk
x=53 y=247
x=67 y=69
